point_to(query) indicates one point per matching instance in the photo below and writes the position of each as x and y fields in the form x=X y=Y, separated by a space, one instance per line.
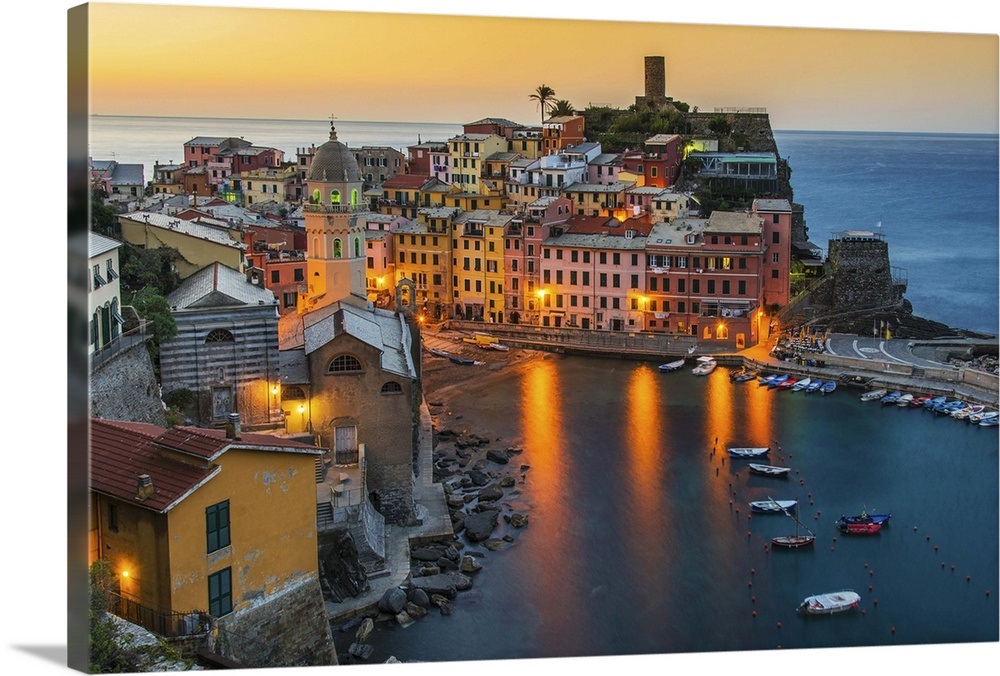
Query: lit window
x=345 y=363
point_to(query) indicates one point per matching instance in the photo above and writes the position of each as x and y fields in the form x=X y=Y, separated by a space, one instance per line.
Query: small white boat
x=829 y=603
x=769 y=470
x=705 y=366
x=772 y=505
x=748 y=452
x=500 y=347
x=990 y=421
x=873 y=395
x=963 y=413
x=801 y=384
x=904 y=400
x=976 y=418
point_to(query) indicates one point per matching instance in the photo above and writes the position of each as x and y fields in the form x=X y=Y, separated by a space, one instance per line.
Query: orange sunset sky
x=224 y=61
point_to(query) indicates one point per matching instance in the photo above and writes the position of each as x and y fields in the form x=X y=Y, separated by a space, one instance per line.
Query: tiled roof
x=99 y=244
x=127 y=174
x=211 y=443
x=410 y=181
x=772 y=205
x=205 y=232
x=734 y=221
x=121 y=451
x=493 y=120
x=662 y=138
x=227 y=287
x=381 y=329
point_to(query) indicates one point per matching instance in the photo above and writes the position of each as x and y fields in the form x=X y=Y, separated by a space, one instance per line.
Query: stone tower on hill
x=335 y=254
x=656 y=84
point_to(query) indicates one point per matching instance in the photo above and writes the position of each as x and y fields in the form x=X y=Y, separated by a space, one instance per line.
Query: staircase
x=324 y=516
x=373 y=564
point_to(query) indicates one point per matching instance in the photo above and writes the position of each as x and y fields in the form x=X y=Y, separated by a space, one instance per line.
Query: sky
x=199 y=61
x=941 y=98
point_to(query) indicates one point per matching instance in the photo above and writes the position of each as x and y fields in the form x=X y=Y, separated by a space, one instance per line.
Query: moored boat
x=671 y=366
x=500 y=347
x=976 y=418
x=767 y=380
x=801 y=384
x=796 y=540
x=705 y=366
x=748 y=452
x=814 y=386
x=934 y=401
x=744 y=377
x=865 y=517
x=873 y=395
x=769 y=470
x=859 y=528
x=904 y=400
x=891 y=398
x=990 y=421
x=788 y=383
x=463 y=361
x=831 y=602
x=772 y=506
x=440 y=353
x=828 y=387
x=778 y=380
x=963 y=413
x=920 y=400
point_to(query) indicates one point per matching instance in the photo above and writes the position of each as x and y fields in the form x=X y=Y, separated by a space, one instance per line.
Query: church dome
x=334 y=163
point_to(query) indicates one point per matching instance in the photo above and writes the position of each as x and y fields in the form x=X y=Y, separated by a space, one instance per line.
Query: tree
x=562 y=107
x=544 y=95
x=103 y=217
x=145 y=268
x=107 y=654
x=720 y=126
x=152 y=306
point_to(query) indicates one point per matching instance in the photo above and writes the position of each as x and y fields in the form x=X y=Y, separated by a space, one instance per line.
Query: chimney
x=145 y=487
x=233 y=426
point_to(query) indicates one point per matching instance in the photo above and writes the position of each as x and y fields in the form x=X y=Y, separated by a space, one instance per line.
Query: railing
x=164 y=623
x=334 y=208
x=585 y=340
x=119 y=343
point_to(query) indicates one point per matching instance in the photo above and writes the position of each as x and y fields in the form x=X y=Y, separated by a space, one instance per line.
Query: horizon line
x=411 y=122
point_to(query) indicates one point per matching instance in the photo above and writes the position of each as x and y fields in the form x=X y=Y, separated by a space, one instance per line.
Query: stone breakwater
x=482 y=479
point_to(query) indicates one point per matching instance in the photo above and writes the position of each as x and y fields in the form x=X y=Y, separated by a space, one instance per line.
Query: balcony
x=334 y=208
x=163 y=623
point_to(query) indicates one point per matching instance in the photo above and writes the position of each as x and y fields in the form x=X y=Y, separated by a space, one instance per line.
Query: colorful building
x=523 y=239
x=466 y=155
x=559 y=133
x=211 y=534
x=423 y=255
x=199 y=244
x=103 y=292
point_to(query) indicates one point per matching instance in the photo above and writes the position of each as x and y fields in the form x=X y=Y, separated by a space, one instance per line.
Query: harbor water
x=640 y=538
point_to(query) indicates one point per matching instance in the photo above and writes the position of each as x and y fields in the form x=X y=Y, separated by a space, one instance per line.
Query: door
x=222 y=402
x=345 y=445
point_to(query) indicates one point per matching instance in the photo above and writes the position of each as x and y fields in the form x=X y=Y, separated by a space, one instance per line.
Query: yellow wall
x=422 y=248
x=272 y=508
x=195 y=253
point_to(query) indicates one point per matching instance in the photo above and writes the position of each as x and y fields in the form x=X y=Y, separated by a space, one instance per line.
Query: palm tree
x=544 y=94
x=562 y=107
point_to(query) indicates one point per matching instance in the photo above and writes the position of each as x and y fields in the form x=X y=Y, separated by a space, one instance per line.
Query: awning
x=118 y=317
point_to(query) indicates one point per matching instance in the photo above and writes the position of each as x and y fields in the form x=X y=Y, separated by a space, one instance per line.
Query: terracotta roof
x=211 y=443
x=406 y=181
x=120 y=452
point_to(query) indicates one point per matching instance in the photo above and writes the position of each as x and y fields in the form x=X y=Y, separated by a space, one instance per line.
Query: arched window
x=316 y=197
x=292 y=392
x=316 y=251
x=337 y=252
x=218 y=336
x=707 y=333
x=345 y=363
x=722 y=332
x=357 y=247
x=354 y=197
x=392 y=387
x=335 y=197
x=115 y=314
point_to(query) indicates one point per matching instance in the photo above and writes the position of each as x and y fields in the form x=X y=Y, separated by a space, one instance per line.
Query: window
x=774 y=274
x=298 y=275
x=725 y=287
x=652 y=283
x=711 y=286
x=775 y=257
x=635 y=282
x=337 y=249
x=392 y=387
x=573 y=255
x=220 y=593
x=586 y=278
x=289 y=299
x=603 y=257
x=217 y=526
x=292 y=392
x=775 y=237
x=616 y=258
x=604 y=279
x=345 y=363
x=741 y=287
x=275 y=276
x=218 y=336
x=695 y=286
x=113 y=518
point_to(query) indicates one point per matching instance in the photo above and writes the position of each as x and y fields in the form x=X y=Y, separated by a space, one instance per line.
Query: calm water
x=635 y=546
x=936 y=195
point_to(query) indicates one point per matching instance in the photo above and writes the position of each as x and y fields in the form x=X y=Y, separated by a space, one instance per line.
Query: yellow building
x=527 y=142
x=474 y=201
x=423 y=252
x=211 y=532
x=477 y=264
x=199 y=244
x=269 y=183
x=467 y=154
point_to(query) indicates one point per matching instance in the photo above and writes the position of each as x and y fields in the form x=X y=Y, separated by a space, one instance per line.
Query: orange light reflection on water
x=645 y=441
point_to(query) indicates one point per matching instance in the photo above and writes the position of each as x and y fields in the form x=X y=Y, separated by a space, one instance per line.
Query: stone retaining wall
x=124 y=388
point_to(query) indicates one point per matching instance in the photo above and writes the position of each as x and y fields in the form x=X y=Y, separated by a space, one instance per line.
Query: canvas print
x=441 y=338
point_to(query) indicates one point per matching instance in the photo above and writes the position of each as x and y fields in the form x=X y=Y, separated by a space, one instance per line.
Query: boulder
x=525 y=468
x=470 y=565
x=491 y=493
x=415 y=611
x=506 y=482
x=494 y=545
x=420 y=598
x=478 y=526
x=518 y=520
x=427 y=571
x=451 y=552
x=439 y=600
x=404 y=619
x=392 y=601
x=499 y=457
x=367 y=625
x=446 y=564
x=361 y=650
x=426 y=554
x=478 y=478
x=445 y=584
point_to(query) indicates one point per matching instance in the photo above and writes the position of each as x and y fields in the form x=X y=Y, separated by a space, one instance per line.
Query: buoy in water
x=753 y=614
x=871 y=572
x=968 y=578
x=779 y=625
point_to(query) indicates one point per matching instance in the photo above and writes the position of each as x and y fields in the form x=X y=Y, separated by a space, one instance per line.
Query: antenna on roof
x=333 y=131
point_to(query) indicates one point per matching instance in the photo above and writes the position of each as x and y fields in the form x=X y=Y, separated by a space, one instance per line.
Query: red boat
x=919 y=401
x=788 y=383
x=860 y=528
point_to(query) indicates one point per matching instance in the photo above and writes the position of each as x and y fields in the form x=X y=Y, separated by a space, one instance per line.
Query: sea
x=640 y=540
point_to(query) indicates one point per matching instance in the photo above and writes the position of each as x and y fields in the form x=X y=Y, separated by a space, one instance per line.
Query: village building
x=423 y=255
x=527 y=142
x=226 y=348
x=523 y=237
x=116 y=179
x=561 y=132
x=212 y=540
x=418 y=157
x=378 y=163
x=466 y=155
x=269 y=183
x=103 y=292
x=198 y=244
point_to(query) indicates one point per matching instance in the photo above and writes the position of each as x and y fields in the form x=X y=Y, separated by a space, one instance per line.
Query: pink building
x=705 y=278
x=418 y=157
x=594 y=274
x=777 y=217
x=523 y=239
x=604 y=168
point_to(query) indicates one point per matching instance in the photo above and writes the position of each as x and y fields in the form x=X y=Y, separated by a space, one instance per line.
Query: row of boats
x=785 y=381
x=859 y=524
x=977 y=414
